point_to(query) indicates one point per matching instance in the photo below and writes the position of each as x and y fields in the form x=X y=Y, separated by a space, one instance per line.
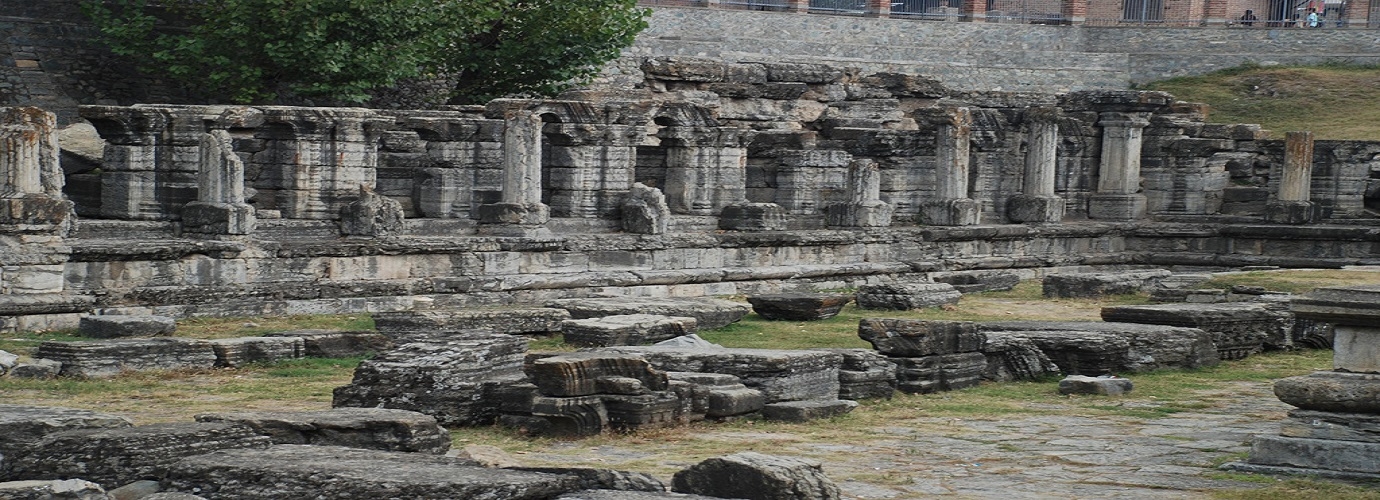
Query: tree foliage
x=342 y=50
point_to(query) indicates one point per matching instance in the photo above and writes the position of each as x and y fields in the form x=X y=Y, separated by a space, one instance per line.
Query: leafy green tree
x=342 y=50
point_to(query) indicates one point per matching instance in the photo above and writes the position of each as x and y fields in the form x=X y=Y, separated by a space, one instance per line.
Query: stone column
x=1291 y=204
x=521 y=212
x=1037 y=201
x=1118 y=195
x=864 y=207
x=316 y=159
x=34 y=219
x=1335 y=430
x=590 y=168
x=706 y=168
x=951 y=206
x=803 y=176
x=220 y=208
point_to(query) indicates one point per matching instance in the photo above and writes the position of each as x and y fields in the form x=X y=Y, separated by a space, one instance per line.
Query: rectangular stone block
x=1306 y=453
x=108 y=358
x=236 y=352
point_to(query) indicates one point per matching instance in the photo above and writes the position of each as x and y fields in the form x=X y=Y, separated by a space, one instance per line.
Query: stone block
x=805 y=411
x=941 y=372
x=218 y=218
x=628 y=412
x=1151 y=347
x=370 y=428
x=371 y=215
x=53 y=489
x=114 y=457
x=753 y=217
x=7 y=362
x=914 y=338
x=865 y=374
x=781 y=375
x=798 y=306
x=337 y=473
x=902 y=297
x=1332 y=391
x=1290 y=212
x=732 y=401
x=708 y=313
x=1035 y=209
x=1087 y=285
x=447 y=380
x=236 y=352
x=1311 y=424
x=604 y=479
x=109 y=327
x=955 y=212
x=1116 y=207
x=1079 y=352
x=1013 y=357
x=106 y=358
x=1101 y=385
x=1238 y=328
x=21 y=425
x=629 y=329
x=980 y=281
x=589 y=373
x=1305 y=453
x=411 y=326
x=865 y=214
x=756 y=476
x=1345 y=305
x=1356 y=349
x=36 y=369
x=338 y=344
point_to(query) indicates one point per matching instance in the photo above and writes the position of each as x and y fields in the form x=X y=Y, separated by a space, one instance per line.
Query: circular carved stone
x=1332 y=391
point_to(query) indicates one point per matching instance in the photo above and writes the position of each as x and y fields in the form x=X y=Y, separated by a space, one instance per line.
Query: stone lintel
x=1342 y=305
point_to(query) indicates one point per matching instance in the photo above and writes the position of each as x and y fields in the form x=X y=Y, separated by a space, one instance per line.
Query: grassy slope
x=1335 y=102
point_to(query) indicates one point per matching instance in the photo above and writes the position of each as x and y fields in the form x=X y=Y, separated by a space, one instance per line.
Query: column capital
x=1043 y=114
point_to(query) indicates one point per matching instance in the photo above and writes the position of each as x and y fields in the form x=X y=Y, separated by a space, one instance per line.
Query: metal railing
x=839 y=7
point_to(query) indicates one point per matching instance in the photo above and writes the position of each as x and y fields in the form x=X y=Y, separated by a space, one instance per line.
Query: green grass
x=1333 y=101
x=1300 y=489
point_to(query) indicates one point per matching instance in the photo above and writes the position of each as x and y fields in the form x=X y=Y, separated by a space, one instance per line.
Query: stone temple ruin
x=593 y=211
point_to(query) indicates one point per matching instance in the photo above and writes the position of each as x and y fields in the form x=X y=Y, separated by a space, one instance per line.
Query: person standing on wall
x=1248 y=19
x=1313 y=21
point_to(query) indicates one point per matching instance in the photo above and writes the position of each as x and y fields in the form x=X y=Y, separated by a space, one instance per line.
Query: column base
x=218 y=218
x=955 y=212
x=874 y=214
x=1027 y=208
x=1116 y=206
x=1321 y=454
x=526 y=214
x=1290 y=212
x=753 y=217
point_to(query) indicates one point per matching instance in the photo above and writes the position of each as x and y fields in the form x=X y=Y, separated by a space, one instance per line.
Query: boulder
x=413 y=326
x=1103 y=385
x=114 y=457
x=370 y=428
x=1087 y=285
x=7 y=362
x=626 y=329
x=916 y=337
x=756 y=476
x=781 y=375
x=53 y=489
x=940 y=372
x=236 y=352
x=798 y=306
x=903 y=297
x=107 y=358
x=338 y=344
x=805 y=411
x=708 y=313
x=330 y=472
x=110 y=327
x=446 y=380
x=36 y=369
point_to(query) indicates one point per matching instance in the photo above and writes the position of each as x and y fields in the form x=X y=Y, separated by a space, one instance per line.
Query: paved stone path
x=1034 y=457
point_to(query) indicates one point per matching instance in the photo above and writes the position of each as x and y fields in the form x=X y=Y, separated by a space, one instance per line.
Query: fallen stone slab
x=330 y=472
x=107 y=358
x=692 y=341
x=412 y=326
x=1103 y=386
x=239 y=351
x=916 y=337
x=708 y=313
x=604 y=479
x=781 y=375
x=630 y=495
x=369 y=428
x=338 y=344
x=110 y=327
x=21 y=424
x=53 y=489
x=1239 y=329
x=626 y=329
x=805 y=411
x=940 y=372
x=1078 y=352
x=1013 y=357
x=446 y=380
x=978 y=281
x=36 y=369
x=1306 y=453
x=799 y=306
x=756 y=476
x=1151 y=347
x=865 y=374
x=904 y=297
x=1090 y=285
x=1359 y=427
x=115 y=457
x=588 y=373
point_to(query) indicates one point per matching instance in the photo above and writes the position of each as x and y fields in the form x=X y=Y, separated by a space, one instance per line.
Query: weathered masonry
x=714 y=178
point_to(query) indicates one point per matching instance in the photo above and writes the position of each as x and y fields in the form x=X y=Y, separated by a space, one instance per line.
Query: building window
x=1143 y=11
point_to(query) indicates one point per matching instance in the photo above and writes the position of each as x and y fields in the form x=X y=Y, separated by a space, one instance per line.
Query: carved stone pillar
x=220 y=207
x=1118 y=195
x=802 y=178
x=465 y=154
x=864 y=207
x=1291 y=204
x=590 y=167
x=1037 y=201
x=316 y=159
x=951 y=206
x=706 y=168
x=521 y=212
